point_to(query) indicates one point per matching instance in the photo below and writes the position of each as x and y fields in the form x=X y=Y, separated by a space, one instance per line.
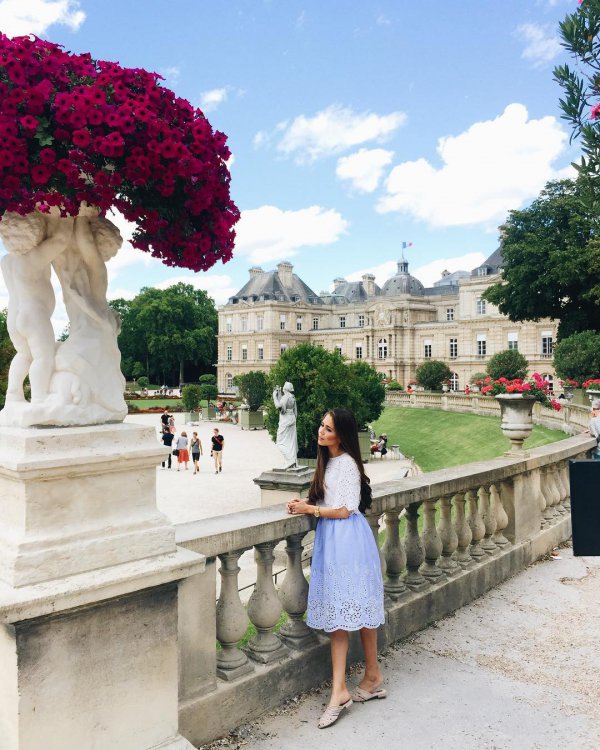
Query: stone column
x=476 y=524
x=232 y=620
x=395 y=556
x=463 y=533
x=432 y=544
x=449 y=538
x=293 y=594
x=415 y=552
x=88 y=592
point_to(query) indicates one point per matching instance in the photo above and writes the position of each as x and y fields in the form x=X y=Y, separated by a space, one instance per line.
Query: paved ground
x=184 y=496
x=515 y=670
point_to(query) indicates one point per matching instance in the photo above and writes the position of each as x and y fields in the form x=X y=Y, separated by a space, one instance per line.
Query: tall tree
x=168 y=328
x=551 y=262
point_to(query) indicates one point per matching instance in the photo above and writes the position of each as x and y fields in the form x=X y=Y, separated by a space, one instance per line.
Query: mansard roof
x=348 y=291
x=491 y=265
x=269 y=285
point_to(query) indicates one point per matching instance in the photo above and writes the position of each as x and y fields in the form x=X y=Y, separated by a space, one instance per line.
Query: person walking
x=196 y=448
x=167 y=440
x=346 y=587
x=183 y=455
x=217 y=443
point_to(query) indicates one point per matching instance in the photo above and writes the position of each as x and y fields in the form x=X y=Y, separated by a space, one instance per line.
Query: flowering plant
x=569 y=383
x=536 y=387
x=594 y=383
x=74 y=129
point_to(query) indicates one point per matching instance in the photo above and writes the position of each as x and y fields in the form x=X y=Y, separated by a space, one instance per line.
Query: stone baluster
x=564 y=473
x=547 y=514
x=489 y=521
x=232 y=621
x=293 y=594
x=373 y=521
x=395 y=556
x=552 y=496
x=463 y=532
x=560 y=490
x=415 y=552
x=264 y=608
x=449 y=538
x=476 y=524
x=432 y=544
x=501 y=516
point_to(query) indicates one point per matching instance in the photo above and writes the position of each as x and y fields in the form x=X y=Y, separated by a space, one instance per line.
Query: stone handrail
x=481 y=523
x=571 y=419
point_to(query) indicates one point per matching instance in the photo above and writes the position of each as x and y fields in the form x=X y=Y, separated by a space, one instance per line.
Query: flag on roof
x=406 y=244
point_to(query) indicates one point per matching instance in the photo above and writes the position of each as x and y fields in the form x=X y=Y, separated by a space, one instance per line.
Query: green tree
x=143 y=383
x=367 y=393
x=432 y=373
x=191 y=396
x=507 y=364
x=322 y=380
x=551 y=262
x=7 y=352
x=208 y=391
x=165 y=329
x=254 y=388
x=577 y=357
x=581 y=101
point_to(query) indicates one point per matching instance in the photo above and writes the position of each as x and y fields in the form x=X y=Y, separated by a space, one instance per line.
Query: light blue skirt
x=346 y=587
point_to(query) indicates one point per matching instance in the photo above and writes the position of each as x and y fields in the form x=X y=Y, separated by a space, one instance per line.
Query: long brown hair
x=347 y=431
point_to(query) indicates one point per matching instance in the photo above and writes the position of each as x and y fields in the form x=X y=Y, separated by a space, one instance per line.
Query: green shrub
x=432 y=373
x=191 y=396
x=509 y=364
x=254 y=388
x=577 y=357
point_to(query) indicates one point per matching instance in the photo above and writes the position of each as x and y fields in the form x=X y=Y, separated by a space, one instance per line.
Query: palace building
x=395 y=327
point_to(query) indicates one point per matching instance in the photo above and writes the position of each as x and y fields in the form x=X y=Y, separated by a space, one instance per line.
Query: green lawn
x=155 y=403
x=438 y=439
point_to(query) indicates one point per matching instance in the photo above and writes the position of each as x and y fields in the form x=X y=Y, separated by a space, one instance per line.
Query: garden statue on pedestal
x=287 y=438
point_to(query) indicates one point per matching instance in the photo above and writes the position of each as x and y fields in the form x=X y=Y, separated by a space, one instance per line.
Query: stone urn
x=516 y=410
x=568 y=391
x=593 y=394
x=445 y=387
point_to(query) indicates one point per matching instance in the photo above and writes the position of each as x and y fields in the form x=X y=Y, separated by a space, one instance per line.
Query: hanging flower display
x=74 y=130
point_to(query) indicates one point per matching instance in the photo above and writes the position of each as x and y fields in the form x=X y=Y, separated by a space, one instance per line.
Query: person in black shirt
x=167 y=439
x=217 y=442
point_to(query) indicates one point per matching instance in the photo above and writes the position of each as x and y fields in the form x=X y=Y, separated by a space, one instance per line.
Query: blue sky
x=353 y=126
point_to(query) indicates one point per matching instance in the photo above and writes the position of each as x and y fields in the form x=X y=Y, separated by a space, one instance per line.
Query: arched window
x=382 y=349
x=454 y=382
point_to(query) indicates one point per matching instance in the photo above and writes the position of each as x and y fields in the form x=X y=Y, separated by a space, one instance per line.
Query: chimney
x=284 y=270
x=255 y=271
x=368 y=281
x=338 y=281
x=445 y=273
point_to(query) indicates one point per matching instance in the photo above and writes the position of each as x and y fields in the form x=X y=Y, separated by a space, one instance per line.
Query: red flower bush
x=594 y=384
x=536 y=387
x=74 y=129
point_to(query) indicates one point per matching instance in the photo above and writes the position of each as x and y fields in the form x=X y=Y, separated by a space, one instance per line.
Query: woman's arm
x=301 y=507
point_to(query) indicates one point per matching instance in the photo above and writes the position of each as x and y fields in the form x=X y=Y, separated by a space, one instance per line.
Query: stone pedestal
x=89 y=572
x=281 y=485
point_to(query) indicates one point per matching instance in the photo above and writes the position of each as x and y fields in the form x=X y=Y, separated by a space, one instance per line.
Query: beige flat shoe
x=362 y=696
x=332 y=714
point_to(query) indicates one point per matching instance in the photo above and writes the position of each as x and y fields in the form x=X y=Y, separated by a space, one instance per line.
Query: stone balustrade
x=571 y=419
x=450 y=536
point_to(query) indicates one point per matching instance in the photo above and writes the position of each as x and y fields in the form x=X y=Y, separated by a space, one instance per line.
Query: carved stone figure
x=287 y=438
x=78 y=381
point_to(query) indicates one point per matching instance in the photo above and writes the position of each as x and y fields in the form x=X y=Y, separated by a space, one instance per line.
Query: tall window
x=229 y=352
x=481 y=345
x=338 y=349
x=342 y=321
x=244 y=352
x=282 y=322
x=480 y=306
x=299 y=322
x=513 y=340
x=449 y=313
x=315 y=324
x=453 y=348
x=244 y=322
x=228 y=325
x=382 y=349
x=454 y=382
x=427 y=348
x=361 y=321
x=229 y=381
x=282 y=348
x=359 y=351
x=260 y=351
x=547 y=344
x=260 y=322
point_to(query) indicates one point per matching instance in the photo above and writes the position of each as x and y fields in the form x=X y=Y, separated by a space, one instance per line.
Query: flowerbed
x=74 y=129
x=536 y=387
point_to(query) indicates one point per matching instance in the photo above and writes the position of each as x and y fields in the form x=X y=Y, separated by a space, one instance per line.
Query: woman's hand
x=299 y=507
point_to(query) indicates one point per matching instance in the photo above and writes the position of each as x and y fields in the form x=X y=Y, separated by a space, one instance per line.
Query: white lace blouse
x=342 y=484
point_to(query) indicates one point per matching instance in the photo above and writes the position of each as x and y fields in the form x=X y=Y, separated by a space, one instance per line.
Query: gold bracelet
x=317 y=511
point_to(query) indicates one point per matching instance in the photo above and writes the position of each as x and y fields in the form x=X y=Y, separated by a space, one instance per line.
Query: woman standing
x=183 y=455
x=346 y=587
x=196 y=448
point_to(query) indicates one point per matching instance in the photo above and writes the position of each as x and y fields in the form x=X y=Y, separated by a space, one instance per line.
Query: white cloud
x=218 y=286
x=542 y=45
x=427 y=274
x=332 y=131
x=492 y=167
x=268 y=233
x=364 y=168
x=210 y=100
x=127 y=255
x=171 y=74
x=22 y=17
